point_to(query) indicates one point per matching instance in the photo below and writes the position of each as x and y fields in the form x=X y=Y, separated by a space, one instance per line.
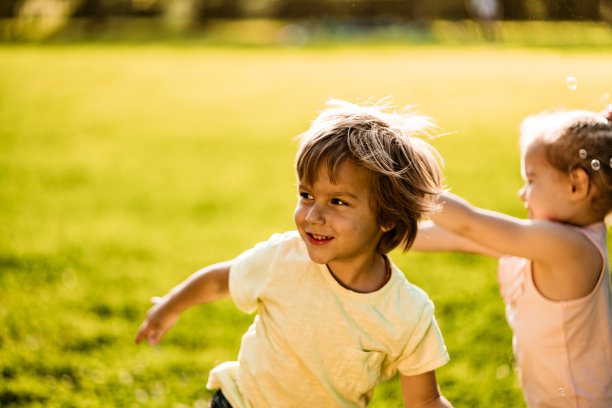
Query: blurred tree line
x=39 y=19
x=202 y=10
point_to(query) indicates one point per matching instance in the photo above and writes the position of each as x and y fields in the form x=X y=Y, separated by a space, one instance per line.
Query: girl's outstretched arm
x=565 y=263
x=542 y=241
x=422 y=391
x=205 y=285
x=433 y=237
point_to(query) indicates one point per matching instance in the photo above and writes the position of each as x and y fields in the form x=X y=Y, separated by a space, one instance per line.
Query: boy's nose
x=315 y=215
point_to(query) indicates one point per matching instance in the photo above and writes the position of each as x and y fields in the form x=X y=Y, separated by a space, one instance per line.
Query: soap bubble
x=141 y=395
x=125 y=377
x=572 y=82
x=502 y=371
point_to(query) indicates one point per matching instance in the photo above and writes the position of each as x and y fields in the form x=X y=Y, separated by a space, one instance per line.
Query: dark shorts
x=219 y=401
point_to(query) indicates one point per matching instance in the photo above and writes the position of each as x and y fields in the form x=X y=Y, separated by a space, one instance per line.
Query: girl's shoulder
x=574 y=267
x=596 y=232
x=585 y=242
x=554 y=242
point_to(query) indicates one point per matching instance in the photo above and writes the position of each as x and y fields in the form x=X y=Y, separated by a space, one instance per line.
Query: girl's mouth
x=318 y=239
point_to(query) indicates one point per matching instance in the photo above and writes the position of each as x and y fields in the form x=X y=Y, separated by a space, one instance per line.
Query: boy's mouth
x=318 y=239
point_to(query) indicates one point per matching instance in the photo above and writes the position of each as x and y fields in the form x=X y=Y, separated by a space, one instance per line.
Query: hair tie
x=595 y=163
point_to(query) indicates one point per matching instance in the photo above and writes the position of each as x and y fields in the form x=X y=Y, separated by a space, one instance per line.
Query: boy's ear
x=580 y=183
x=387 y=228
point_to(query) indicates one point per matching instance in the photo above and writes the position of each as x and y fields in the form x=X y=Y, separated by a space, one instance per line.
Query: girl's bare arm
x=566 y=265
x=543 y=241
x=433 y=237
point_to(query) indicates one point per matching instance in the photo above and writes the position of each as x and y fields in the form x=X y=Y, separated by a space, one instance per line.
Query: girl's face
x=547 y=190
x=335 y=220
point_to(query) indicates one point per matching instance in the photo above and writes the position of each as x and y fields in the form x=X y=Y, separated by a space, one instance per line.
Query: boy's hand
x=203 y=286
x=157 y=322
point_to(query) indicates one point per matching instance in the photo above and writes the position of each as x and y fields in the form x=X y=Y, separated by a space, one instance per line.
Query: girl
x=555 y=274
x=335 y=316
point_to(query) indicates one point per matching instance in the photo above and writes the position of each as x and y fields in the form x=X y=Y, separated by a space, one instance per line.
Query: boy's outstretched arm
x=205 y=285
x=422 y=391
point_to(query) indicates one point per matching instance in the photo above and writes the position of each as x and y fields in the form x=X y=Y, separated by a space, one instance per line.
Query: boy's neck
x=370 y=277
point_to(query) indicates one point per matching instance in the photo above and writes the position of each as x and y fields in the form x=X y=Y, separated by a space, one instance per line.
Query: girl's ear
x=580 y=183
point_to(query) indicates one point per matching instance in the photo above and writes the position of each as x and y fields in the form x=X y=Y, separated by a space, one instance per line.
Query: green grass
x=125 y=168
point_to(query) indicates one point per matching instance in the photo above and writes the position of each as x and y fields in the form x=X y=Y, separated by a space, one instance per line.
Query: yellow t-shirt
x=315 y=343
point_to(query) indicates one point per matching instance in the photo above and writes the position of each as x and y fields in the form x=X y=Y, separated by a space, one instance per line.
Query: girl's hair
x=404 y=173
x=576 y=139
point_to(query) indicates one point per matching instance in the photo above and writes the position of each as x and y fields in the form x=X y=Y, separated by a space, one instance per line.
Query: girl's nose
x=522 y=192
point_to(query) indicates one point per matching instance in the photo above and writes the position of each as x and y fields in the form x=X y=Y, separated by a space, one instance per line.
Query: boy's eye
x=306 y=196
x=337 y=201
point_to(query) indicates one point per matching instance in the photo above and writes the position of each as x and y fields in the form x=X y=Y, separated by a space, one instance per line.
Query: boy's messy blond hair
x=576 y=139
x=404 y=173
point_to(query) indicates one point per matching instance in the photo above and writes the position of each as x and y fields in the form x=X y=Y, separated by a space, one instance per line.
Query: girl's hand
x=158 y=321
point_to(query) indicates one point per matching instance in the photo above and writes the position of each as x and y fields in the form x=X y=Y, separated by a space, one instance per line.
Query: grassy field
x=124 y=168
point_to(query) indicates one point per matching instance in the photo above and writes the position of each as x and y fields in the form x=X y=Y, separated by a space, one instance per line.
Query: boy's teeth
x=319 y=236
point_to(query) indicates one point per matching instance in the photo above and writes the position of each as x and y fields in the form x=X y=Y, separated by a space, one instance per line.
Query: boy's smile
x=337 y=223
x=318 y=239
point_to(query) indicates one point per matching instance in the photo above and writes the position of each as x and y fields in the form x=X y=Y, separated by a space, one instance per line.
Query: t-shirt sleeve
x=425 y=350
x=249 y=274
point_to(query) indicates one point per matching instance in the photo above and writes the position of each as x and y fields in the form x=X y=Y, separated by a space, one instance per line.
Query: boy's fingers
x=150 y=328
x=152 y=334
x=146 y=330
x=155 y=335
x=154 y=338
x=141 y=332
x=139 y=336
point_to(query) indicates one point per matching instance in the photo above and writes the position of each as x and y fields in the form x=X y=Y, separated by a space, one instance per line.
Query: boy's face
x=336 y=220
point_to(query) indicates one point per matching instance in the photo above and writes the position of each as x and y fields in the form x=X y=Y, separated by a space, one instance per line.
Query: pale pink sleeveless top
x=563 y=348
